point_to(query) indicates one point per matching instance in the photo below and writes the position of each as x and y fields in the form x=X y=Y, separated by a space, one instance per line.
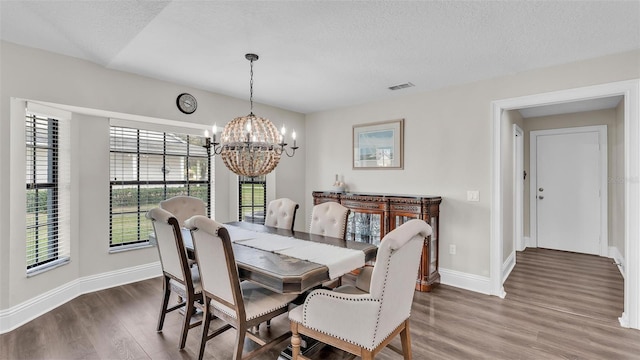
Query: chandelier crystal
x=251 y=145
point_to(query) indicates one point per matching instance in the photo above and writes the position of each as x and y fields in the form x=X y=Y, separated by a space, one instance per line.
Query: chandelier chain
x=251 y=85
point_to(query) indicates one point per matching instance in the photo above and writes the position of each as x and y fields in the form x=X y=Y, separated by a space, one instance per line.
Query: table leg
x=307 y=344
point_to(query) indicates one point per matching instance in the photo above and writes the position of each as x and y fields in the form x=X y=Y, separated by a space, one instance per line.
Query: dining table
x=278 y=272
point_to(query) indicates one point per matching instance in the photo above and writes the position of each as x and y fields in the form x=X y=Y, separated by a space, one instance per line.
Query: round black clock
x=187 y=103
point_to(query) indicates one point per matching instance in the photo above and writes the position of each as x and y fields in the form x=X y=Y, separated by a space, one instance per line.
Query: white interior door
x=569 y=170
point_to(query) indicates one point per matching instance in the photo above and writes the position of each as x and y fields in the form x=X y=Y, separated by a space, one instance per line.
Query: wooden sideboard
x=374 y=215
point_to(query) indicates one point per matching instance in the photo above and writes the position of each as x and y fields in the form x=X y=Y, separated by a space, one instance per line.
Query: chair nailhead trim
x=234 y=315
x=336 y=296
x=384 y=288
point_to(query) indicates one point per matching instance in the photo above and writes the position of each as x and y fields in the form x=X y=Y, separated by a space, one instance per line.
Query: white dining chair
x=281 y=213
x=184 y=207
x=329 y=219
x=178 y=276
x=240 y=305
x=364 y=318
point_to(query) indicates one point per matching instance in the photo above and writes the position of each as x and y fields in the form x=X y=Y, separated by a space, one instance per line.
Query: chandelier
x=251 y=145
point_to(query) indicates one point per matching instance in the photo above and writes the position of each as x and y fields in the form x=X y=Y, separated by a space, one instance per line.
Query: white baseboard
x=24 y=312
x=527 y=242
x=508 y=266
x=615 y=254
x=624 y=320
x=477 y=283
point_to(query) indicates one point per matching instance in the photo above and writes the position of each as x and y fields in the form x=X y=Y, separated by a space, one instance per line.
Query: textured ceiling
x=318 y=55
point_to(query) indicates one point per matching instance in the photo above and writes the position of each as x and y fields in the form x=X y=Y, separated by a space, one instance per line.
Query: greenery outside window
x=253 y=199
x=147 y=167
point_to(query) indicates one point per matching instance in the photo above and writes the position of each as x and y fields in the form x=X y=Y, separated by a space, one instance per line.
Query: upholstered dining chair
x=241 y=305
x=184 y=207
x=178 y=276
x=364 y=318
x=281 y=213
x=329 y=219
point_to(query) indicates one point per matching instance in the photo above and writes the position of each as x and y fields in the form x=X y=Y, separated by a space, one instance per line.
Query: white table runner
x=339 y=260
x=237 y=233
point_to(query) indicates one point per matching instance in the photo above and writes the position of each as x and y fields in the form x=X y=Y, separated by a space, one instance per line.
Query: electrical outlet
x=452 y=249
x=473 y=195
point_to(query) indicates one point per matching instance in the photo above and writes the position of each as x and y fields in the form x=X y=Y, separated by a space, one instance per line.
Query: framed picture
x=378 y=145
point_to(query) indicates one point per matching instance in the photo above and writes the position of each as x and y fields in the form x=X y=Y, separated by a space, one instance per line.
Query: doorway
x=519 y=176
x=630 y=91
x=568 y=193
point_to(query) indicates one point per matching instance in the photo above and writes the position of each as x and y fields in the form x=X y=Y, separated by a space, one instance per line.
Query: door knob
x=540 y=189
x=540 y=197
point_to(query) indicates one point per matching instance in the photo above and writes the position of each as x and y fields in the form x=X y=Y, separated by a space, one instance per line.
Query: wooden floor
x=559 y=305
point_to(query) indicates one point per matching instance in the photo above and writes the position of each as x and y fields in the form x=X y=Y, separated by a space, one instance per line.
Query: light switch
x=473 y=195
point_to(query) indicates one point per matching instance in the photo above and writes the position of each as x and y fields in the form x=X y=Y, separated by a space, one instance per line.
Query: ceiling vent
x=401 y=86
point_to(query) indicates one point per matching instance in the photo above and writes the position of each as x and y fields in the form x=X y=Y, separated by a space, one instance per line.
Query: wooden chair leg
x=367 y=355
x=205 y=330
x=165 y=303
x=240 y=335
x=188 y=313
x=257 y=327
x=295 y=341
x=405 y=338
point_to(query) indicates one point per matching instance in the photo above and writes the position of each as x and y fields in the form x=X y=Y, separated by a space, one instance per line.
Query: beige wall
x=448 y=143
x=39 y=75
x=447 y=152
x=614 y=120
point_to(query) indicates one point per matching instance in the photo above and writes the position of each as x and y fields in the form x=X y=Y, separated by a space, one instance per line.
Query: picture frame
x=379 y=145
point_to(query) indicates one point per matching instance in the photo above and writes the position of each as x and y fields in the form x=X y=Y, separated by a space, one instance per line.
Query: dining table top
x=282 y=273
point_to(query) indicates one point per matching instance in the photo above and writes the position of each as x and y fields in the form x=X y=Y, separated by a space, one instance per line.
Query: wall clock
x=187 y=103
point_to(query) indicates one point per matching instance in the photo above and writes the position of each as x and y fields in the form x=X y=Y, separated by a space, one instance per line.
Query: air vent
x=401 y=86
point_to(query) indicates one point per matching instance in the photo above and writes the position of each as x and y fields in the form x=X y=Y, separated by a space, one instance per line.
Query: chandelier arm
x=217 y=150
x=285 y=150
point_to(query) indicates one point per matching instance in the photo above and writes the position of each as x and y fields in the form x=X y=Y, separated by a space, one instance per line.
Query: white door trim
x=533 y=168
x=518 y=187
x=630 y=90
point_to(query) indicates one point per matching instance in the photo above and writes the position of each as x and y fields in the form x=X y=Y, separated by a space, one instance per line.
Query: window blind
x=147 y=167
x=47 y=192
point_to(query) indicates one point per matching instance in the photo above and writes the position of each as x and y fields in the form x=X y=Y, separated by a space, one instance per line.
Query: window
x=253 y=199
x=47 y=217
x=146 y=168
